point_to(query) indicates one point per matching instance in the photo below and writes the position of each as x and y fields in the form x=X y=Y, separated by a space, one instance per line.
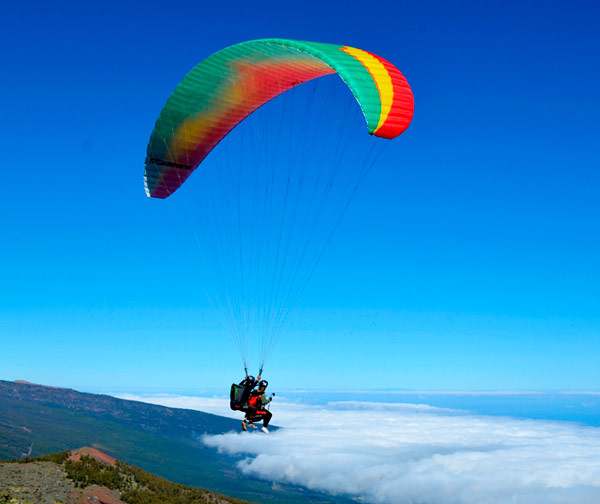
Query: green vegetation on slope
x=135 y=485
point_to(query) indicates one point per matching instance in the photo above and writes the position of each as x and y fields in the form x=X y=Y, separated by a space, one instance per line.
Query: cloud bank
x=405 y=453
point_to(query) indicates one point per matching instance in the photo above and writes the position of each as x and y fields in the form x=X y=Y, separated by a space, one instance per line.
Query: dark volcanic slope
x=36 y=420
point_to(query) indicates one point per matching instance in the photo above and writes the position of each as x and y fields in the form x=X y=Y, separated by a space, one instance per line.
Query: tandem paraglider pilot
x=252 y=402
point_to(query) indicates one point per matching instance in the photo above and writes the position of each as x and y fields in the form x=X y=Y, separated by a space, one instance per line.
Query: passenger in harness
x=256 y=408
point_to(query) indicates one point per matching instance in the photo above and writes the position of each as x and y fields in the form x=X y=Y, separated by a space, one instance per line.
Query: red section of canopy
x=403 y=105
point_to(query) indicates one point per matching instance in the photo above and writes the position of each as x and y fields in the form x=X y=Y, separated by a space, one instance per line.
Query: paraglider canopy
x=228 y=86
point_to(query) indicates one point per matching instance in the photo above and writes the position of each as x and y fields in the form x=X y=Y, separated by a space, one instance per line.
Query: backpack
x=235 y=397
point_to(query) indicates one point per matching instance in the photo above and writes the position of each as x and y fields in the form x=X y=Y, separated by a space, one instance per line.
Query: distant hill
x=35 y=420
x=87 y=475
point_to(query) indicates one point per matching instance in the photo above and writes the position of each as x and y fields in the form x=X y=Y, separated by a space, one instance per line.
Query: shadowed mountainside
x=147 y=417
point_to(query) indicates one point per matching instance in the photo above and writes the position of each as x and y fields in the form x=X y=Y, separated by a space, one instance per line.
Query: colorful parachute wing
x=218 y=93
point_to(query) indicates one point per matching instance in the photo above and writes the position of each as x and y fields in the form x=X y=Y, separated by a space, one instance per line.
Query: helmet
x=250 y=379
x=263 y=383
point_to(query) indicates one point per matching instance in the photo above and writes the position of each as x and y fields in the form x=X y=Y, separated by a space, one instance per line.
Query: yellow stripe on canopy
x=382 y=79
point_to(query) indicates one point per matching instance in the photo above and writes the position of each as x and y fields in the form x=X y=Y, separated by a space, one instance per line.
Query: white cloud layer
x=414 y=454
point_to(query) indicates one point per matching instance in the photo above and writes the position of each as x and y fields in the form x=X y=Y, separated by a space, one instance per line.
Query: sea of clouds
x=410 y=453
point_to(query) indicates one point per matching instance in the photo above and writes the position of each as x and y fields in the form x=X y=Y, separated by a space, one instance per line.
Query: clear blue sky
x=469 y=259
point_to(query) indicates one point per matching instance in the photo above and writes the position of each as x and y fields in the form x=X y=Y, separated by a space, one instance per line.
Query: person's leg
x=260 y=415
x=267 y=418
x=250 y=412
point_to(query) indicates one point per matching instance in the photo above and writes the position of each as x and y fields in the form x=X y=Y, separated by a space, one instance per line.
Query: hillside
x=35 y=420
x=88 y=475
